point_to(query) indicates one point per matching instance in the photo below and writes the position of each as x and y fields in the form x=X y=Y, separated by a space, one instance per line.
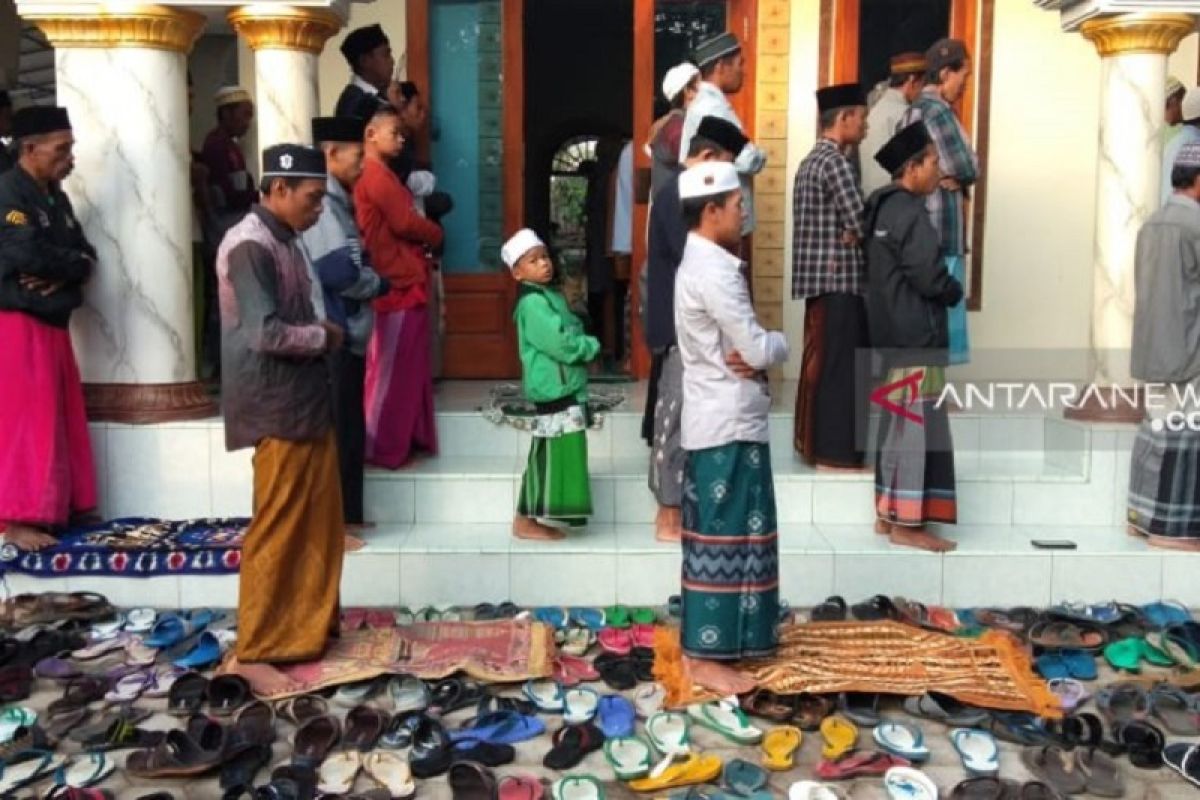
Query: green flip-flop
x=1125 y=655
x=628 y=756
x=617 y=617
x=644 y=616
x=577 y=787
x=1155 y=656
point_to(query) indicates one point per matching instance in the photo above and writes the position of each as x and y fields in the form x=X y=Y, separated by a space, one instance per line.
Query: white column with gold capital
x=1134 y=49
x=286 y=42
x=121 y=72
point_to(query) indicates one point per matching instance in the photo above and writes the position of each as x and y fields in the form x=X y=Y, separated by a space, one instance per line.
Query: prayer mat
x=992 y=671
x=504 y=651
x=136 y=547
x=506 y=405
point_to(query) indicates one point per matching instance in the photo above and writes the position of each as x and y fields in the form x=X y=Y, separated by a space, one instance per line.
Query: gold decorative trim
x=1137 y=33
x=285 y=28
x=148 y=26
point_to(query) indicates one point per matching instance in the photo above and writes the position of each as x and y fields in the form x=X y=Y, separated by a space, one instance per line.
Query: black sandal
x=1143 y=742
x=832 y=610
x=879 y=607
x=187 y=694
x=572 y=743
x=619 y=672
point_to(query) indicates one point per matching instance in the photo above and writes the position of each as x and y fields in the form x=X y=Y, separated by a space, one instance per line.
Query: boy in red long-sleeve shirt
x=399 y=381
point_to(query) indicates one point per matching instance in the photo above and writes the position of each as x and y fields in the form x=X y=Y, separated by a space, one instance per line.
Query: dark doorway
x=888 y=27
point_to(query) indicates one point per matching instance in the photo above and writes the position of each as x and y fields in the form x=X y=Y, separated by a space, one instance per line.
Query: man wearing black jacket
x=46 y=469
x=908 y=292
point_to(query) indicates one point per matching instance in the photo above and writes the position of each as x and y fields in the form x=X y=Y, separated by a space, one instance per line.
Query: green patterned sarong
x=555 y=485
x=730 y=553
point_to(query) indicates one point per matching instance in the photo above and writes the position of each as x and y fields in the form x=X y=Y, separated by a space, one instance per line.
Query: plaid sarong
x=1164 y=483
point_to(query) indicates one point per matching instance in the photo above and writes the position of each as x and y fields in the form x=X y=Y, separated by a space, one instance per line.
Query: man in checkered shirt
x=829 y=273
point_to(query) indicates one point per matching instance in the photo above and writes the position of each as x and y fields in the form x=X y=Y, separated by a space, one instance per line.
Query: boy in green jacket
x=554 y=350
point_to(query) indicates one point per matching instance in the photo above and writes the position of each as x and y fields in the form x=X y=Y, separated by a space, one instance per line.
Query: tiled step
x=465 y=564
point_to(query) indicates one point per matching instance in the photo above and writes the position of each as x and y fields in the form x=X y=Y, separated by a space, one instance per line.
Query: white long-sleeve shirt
x=713 y=317
x=882 y=122
x=710 y=101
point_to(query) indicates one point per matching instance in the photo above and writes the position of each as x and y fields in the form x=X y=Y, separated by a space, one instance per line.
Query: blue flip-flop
x=1167 y=612
x=743 y=778
x=553 y=616
x=501 y=727
x=901 y=739
x=978 y=750
x=1051 y=665
x=204 y=653
x=590 y=618
x=171 y=629
x=1080 y=665
x=547 y=695
x=615 y=716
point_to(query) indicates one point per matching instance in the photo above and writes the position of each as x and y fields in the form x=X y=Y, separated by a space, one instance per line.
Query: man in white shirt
x=905 y=82
x=730 y=570
x=722 y=73
x=369 y=54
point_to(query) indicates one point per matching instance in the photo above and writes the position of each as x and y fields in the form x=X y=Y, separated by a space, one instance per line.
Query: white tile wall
x=806 y=579
x=473 y=500
x=208 y=591
x=904 y=572
x=372 y=579
x=546 y=579
x=1004 y=580
x=1059 y=503
x=1180 y=571
x=389 y=499
x=453 y=579
x=647 y=578
x=1130 y=578
x=158 y=471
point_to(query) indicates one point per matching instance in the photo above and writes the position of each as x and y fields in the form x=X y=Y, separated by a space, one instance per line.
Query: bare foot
x=719 y=677
x=883 y=527
x=264 y=679
x=1134 y=532
x=354 y=543
x=28 y=537
x=668 y=524
x=1172 y=543
x=921 y=539
x=529 y=528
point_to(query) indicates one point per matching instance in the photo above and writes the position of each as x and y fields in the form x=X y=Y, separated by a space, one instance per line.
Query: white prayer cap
x=708 y=178
x=1190 y=108
x=1173 y=85
x=228 y=95
x=521 y=243
x=677 y=79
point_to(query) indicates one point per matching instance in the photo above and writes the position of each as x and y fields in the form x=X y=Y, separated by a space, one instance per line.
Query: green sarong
x=555 y=485
x=730 y=553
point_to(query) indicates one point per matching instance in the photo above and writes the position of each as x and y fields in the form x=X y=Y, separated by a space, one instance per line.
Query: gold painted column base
x=147 y=403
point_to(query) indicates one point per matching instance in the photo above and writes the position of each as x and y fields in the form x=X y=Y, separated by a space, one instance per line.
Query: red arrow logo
x=880 y=396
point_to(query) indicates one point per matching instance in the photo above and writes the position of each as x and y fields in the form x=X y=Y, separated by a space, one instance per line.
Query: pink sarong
x=46 y=469
x=398 y=399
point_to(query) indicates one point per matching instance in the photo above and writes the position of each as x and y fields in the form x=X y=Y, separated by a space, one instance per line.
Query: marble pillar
x=286 y=42
x=1134 y=50
x=122 y=76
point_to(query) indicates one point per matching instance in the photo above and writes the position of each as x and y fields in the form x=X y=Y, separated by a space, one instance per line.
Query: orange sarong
x=292 y=555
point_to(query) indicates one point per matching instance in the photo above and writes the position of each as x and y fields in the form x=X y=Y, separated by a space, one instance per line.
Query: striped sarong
x=1164 y=482
x=555 y=486
x=730 y=553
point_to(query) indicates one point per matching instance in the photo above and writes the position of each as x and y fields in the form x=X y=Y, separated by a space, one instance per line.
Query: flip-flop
x=987 y=788
x=227 y=693
x=1123 y=702
x=1125 y=654
x=767 y=705
x=138 y=654
x=338 y=771
x=901 y=739
x=727 y=720
x=392 y=772
x=669 y=732
x=861 y=708
x=945 y=709
x=102 y=647
x=25 y=768
x=859 y=765
x=1052 y=666
x=1080 y=665
x=1167 y=612
x=1055 y=767
x=546 y=695
x=577 y=787
x=840 y=735
x=84 y=770
x=648 y=699
x=811 y=709
x=588 y=617
x=628 y=756
x=520 y=787
x=743 y=778
x=576 y=640
x=1184 y=759
x=408 y=693
x=204 y=653
x=404 y=617
x=56 y=669
x=1056 y=635
x=643 y=635
x=1142 y=742
x=618 y=641
x=1178 y=710
x=12 y=719
x=879 y=607
x=554 y=616
x=812 y=790
x=978 y=751
x=301 y=708
x=832 y=609
x=906 y=783
x=615 y=716
x=617 y=616
x=693 y=769
x=1070 y=693
x=140 y=620
x=1101 y=774
x=1018 y=728
x=618 y=672
x=644 y=616
x=570 y=744
x=500 y=727
x=363 y=727
x=351 y=695
x=108 y=628
x=171 y=629
x=130 y=687
x=779 y=746
x=472 y=779
x=572 y=670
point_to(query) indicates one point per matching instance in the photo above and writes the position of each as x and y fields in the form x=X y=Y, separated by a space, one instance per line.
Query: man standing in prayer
x=46 y=469
x=680 y=85
x=1189 y=133
x=1173 y=108
x=723 y=73
x=904 y=84
x=908 y=292
x=949 y=67
x=369 y=54
x=349 y=285
x=715 y=140
x=828 y=273
x=730 y=540
x=1164 y=494
x=229 y=181
x=399 y=380
x=276 y=399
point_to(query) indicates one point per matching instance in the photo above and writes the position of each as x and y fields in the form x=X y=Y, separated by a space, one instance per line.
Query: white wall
x=213 y=64
x=1037 y=249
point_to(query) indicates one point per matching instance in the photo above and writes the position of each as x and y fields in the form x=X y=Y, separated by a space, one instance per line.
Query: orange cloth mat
x=503 y=651
x=993 y=671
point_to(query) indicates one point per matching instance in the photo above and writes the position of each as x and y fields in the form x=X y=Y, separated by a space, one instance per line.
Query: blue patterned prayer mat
x=136 y=547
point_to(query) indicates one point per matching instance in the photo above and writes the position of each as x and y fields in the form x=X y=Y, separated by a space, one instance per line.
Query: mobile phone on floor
x=1053 y=544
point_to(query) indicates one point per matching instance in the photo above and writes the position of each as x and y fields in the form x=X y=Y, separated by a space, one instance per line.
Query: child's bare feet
x=530 y=528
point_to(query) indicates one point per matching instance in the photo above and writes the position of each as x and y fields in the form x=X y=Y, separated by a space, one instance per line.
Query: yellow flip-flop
x=841 y=736
x=693 y=769
x=779 y=747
